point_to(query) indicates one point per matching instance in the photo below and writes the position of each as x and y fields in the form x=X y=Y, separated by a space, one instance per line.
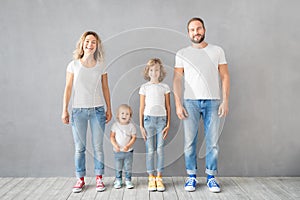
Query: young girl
x=86 y=73
x=154 y=119
x=122 y=137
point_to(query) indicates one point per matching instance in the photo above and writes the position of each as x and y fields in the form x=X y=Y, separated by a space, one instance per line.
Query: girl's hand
x=65 y=117
x=165 y=132
x=144 y=134
x=108 y=116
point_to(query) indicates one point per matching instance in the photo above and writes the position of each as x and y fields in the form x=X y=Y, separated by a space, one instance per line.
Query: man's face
x=196 y=32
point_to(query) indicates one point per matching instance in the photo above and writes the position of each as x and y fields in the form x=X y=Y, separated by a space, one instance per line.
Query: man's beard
x=198 y=41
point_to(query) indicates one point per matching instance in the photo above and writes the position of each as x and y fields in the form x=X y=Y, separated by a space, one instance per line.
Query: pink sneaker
x=100 y=187
x=78 y=186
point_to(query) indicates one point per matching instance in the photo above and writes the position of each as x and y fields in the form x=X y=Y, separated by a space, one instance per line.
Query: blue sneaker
x=190 y=184
x=213 y=185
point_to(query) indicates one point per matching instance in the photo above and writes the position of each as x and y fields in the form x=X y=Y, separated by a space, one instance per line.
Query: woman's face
x=89 y=44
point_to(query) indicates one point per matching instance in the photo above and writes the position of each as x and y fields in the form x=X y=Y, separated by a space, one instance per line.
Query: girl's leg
x=160 y=124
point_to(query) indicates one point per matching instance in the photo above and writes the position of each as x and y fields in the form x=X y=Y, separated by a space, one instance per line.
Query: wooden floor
x=232 y=188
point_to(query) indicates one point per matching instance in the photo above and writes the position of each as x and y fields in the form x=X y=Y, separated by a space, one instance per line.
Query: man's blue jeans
x=154 y=127
x=123 y=159
x=80 y=118
x=208 y=110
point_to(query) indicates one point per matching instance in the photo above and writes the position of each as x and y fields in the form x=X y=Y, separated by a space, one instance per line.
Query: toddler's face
x=124 y=115
x=154 y=72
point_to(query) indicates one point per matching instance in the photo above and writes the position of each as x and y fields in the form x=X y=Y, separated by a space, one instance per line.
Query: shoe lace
x=190 y=180
x=213 y=183
x=78 y=183
x=99 y=181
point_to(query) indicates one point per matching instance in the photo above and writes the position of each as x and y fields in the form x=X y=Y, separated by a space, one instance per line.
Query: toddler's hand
x=117 y=149
x=125 y=149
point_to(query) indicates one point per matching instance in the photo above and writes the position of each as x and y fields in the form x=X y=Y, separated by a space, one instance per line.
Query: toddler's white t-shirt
x=123 y=134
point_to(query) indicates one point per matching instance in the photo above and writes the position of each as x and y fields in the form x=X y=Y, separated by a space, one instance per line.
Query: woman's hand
x=108 y=116
x=144 y=134
x=65 y=117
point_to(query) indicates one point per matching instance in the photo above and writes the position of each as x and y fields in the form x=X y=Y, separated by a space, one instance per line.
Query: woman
x=86 y=74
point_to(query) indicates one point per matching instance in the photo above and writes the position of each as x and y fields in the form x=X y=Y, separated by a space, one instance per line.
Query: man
x=202 y=66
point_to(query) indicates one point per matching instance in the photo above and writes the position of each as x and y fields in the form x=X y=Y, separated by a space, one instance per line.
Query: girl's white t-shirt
x=123 y=134
x=155 y=102
x=87 y=84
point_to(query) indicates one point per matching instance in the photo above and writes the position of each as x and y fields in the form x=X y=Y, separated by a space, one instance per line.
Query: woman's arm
x=106 y=95
x=65 y=117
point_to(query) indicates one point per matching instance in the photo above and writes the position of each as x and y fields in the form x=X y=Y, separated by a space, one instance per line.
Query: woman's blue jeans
x=96 y=118
x=208 y=110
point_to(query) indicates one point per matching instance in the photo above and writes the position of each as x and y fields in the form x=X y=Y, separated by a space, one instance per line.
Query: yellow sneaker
x=151 y=184
x=159 y=184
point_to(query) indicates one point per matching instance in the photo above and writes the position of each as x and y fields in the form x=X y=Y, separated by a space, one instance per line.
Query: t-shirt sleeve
x=70 y=67
x=222 y=59
x=178 y=60
x=103 y=68
x=114 y=127
x=142 y=90
x=167 y=89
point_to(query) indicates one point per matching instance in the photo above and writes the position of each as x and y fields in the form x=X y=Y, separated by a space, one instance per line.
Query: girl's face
x=154 y=72
x=89 y=44
x=124 y=115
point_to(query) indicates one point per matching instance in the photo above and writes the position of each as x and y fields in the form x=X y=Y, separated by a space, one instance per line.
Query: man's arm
x=177 y=86
x=225 y=79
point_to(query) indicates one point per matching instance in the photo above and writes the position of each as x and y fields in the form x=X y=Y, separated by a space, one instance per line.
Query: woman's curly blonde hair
x=78 y=52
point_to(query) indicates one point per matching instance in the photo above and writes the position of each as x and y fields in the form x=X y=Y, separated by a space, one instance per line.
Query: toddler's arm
x=130 y=143
x=113 y=141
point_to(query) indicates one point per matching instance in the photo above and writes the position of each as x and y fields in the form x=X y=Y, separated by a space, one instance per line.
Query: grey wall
x=261 y=40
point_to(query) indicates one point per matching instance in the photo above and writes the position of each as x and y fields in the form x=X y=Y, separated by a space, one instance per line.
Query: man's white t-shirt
x=123 y=134
x=155 y=103
x=87 y=84
x=201 y=74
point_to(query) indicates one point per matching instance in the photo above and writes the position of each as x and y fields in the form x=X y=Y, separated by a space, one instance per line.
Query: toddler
x=122 y=137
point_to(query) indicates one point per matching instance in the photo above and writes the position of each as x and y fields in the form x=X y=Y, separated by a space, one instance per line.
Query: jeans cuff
x=189 y=171
x=211 y=172
x=80 y=174
x=99 y=172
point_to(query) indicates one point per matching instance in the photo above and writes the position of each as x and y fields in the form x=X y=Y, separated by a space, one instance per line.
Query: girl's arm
x=168 y=109
x=142 y=108
x=113 y=141
x=130 y=143
x=106 y=95
x=65 y=117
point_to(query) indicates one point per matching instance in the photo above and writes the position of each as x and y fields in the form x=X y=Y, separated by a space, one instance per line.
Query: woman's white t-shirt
x=155 y=102
x=87 y=84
